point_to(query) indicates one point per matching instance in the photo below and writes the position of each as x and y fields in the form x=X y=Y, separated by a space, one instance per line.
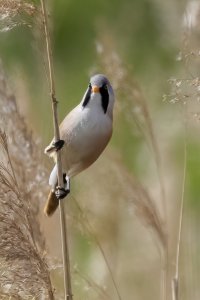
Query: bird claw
x=61 y=193
x=58 y=144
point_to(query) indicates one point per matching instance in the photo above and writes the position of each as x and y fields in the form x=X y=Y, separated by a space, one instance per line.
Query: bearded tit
x=84 y=133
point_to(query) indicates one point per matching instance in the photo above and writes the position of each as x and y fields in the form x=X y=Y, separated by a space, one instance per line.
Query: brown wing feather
x=51 y=204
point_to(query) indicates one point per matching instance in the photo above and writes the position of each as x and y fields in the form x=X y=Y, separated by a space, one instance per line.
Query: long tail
x=51 y=204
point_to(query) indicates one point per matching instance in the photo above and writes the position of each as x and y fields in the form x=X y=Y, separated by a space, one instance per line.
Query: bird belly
x=84 y=143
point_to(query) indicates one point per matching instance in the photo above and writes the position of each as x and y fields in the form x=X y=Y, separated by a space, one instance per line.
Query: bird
x=84 y=134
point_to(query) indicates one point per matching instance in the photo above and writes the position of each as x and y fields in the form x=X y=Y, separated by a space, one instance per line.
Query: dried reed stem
x=90 y=230
x=91 y=283
x=158 y=163
x=65 y=251
x=175 y=280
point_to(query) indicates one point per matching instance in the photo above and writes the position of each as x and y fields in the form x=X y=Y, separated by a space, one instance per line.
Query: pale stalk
x=65 y=251
x=175 y=280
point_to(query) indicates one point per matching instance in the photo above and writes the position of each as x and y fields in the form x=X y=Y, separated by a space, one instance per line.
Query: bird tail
x=51 y=204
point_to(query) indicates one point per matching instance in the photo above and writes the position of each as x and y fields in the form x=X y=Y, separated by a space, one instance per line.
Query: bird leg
x=62 y=192
x=66 y=181
x=54 y=146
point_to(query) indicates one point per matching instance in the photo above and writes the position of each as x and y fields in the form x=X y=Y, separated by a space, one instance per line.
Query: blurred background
x=123 y=212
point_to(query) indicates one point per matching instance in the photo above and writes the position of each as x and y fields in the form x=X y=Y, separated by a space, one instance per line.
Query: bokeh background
x=122 y=210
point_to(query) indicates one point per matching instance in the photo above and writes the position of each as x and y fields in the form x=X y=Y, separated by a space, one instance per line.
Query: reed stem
x=65 y=248
x=175 y=280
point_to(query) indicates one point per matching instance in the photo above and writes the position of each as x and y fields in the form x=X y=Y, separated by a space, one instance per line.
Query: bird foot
x=58 y=145
x=61 y=193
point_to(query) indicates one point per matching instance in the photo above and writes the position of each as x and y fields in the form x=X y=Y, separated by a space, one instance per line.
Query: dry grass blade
x=23 y=269
x=137 y=194
x=92 y=284
x=88 y=227
x=3 y=140
x=175 y=280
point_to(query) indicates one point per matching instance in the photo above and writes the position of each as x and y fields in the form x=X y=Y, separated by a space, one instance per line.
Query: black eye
x=89 y=85
x=105 y=87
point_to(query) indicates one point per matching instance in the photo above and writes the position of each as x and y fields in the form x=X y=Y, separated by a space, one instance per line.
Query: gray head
x=99 y=80
x=101 y=85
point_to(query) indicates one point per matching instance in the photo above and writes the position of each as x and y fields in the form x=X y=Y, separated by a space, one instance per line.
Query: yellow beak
x=95 y=89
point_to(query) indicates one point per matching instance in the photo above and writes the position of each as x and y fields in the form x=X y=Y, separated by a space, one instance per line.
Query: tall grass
x=128 y=89
x=23 y=267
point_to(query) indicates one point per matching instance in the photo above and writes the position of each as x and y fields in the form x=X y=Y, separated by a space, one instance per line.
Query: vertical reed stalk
x=90 y=230
x=175 y=279
x=65 y=250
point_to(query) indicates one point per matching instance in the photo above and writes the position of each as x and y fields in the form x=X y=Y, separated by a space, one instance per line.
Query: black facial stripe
x=104 y=98
x=87 y=96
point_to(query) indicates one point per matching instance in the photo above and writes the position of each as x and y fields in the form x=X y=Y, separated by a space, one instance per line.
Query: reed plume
x=16 y=13
x=135 y=109
x=23 y=268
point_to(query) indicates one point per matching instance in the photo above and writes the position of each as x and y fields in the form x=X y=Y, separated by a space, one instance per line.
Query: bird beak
x=95 y=89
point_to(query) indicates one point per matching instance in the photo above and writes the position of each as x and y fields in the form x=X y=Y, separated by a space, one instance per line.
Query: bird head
x=100 y=88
